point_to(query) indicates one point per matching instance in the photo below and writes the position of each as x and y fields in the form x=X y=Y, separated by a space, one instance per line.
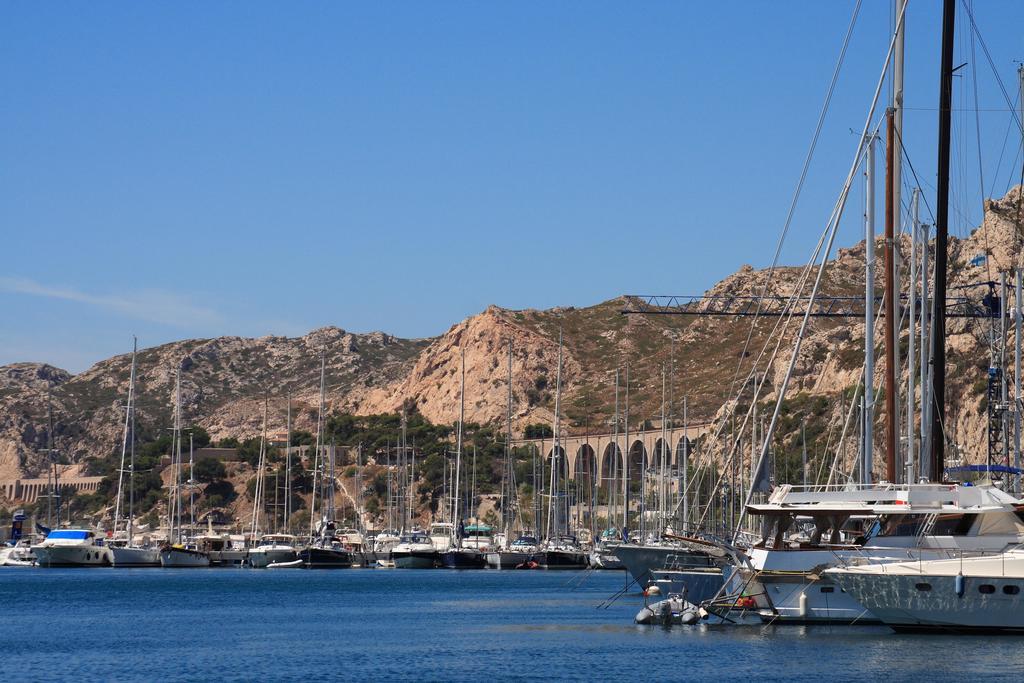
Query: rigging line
x=958 y=109
x=1010 y=177
x=786 y=317
x=906 y=155
x=800 y=183
x=833 y=230
x=991 y=63
x=1002 y=152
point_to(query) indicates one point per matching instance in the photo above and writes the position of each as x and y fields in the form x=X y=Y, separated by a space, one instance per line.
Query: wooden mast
x=891 y=296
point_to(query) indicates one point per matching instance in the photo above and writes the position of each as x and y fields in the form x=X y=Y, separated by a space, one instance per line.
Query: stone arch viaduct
x=602 y=454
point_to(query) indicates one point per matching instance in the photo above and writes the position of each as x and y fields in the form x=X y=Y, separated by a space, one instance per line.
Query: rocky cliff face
x=223 y=385
x=704 y=360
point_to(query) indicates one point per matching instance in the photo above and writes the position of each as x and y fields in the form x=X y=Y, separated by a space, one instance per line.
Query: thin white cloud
x=152 y=305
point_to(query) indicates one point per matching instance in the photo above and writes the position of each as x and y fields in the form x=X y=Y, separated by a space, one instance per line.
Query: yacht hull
x=464 y=559
x=71 y=556
x=259 y=558
x=605 y=559
x=183 y=558
x=126 y=556
x=325 y=558
x=899 y=603
x=642 y=560
x=415 y=559
x=561 y=559
x=507 y=559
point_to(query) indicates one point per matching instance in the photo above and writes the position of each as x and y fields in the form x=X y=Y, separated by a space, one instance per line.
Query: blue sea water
x=291 y=625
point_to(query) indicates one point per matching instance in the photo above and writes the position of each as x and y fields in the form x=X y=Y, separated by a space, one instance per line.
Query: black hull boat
x=561 y=559
x=313 y=557
x=464 y=558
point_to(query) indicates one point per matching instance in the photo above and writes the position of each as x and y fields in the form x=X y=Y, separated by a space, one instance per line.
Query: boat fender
x=652 y=590
x=802 y=608
x=960 y=584
x=644 y=616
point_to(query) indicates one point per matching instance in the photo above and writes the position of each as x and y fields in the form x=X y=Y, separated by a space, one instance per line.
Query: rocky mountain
x=224 y=381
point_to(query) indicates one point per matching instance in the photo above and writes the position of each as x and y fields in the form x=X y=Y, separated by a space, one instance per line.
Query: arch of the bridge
x=662 y=452
x=584 y=466
x=611 y=464
x=638 y=461
x=563 y=463
x=679 y=451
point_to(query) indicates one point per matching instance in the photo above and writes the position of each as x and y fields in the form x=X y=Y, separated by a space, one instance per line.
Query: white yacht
x=518 y=552
x=126 y=554
x=383 y=544
x=71 y=548
x=273 y=548
x=414 y=551
x=969 y=594
x=478 y=537
x=442 y=535
x=806 y=532
x=181 y=556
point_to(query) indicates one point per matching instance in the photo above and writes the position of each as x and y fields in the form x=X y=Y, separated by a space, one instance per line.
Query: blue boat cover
x=69 y=534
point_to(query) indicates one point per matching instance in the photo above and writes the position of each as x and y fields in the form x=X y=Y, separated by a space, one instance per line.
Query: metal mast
x=625 y=466
x=555 y=463
x=456 y=512
x=508 y=486
x=869 y=311
x=915 y=208
x=1016 y=372
x=124 y=448
x=941 y=235
x=288 y=468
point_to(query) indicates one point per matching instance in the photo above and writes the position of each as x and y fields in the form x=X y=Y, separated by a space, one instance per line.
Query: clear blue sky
x=179 y=170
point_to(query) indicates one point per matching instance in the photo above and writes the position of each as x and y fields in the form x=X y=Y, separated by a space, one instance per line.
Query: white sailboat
x=177 y=553
x=124 y=552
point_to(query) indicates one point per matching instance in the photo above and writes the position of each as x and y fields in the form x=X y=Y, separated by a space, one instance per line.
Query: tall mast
x=131 y=446
x=176 y=440
x=625 y=465
x=685 y=465
x=456 y=499
x=554 y=523
x=891 y=297
x=260 y=467
x=507 y=484
x=915 y=204
x=317 y=459
x=616 y=457
x=941 y=234
x=900 y=17
x=288 y=468
x=51 y=465
x=191 y=487
x=1019 y=290
x=869 y=312
x=663 y=465
x=124 y=448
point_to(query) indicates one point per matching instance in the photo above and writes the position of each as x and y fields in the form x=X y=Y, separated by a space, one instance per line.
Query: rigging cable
x=800 y=183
